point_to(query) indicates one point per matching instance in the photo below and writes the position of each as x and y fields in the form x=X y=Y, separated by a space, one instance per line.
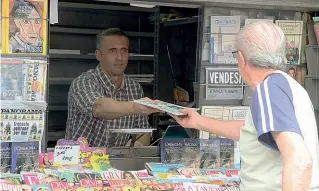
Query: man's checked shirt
x=83 y=92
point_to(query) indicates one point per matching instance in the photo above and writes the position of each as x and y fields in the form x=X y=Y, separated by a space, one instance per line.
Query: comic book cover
x=153 y=167
x=41 y=188
x=8 y=185
x=46 y=160
x=210 y=153
x=190 y=172
x=25 y=156
x=25 y=29
x=23 y=79
x=88 y=180
x=213 y=173
x=201 y=186
x=13 y=178
x=31 y=178
x=21 y=125
x=62 y=186
x=5 y=157
x=119 y=183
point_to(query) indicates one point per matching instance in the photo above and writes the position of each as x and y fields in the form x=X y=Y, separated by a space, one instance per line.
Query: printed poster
x=25 y=28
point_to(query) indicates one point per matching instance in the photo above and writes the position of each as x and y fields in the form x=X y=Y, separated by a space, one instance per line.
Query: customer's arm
x=228 y=129
x=89 y=97
x=273 y=113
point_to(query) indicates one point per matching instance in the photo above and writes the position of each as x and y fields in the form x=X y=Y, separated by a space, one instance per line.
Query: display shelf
x=132 y=56
x=68 y=81
x=90 y=31
x=180 y=21
x=95 y=7
x=32 y=56
x=293 y=5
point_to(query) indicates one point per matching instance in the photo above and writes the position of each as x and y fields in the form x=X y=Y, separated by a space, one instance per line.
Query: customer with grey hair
x=278 y=141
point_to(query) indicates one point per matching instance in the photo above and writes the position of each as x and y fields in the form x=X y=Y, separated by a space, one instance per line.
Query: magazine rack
x=24 y=70
x=216 y=91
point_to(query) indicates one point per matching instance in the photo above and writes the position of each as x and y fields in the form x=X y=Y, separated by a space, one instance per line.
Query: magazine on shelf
x=24 y=156
x=23 y=79
x=25 y=26
x=222 y=39
x=164 y=106
x=5 y=157
x=21 y=125
x=294 y=39
x=199 y=153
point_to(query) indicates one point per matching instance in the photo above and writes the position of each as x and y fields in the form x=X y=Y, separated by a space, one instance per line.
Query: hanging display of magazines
x=23 y=67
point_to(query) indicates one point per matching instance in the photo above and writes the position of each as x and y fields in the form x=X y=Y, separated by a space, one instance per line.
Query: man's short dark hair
x=292 y=69
x=108 y=32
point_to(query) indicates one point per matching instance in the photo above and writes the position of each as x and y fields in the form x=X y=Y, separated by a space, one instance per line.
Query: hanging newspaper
x=223 y=83
x=18 y=125
x=225 y=113
x=23 y=79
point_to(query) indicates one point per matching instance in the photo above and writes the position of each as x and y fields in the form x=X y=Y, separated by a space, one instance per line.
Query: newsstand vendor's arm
x=90 y=98
x=277 y=127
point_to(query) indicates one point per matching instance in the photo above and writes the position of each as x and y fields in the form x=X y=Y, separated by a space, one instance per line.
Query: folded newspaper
x=164 y=106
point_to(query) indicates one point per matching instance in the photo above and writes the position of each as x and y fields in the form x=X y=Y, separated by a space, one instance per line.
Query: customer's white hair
x=263 y=45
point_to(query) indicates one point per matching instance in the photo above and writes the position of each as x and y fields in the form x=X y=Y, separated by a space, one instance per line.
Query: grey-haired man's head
x=260 y=45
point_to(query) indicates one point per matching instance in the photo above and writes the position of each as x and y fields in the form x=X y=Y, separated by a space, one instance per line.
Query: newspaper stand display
x=221 y=91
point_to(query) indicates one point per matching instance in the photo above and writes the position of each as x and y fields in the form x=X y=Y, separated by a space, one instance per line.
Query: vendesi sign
x=223 y=83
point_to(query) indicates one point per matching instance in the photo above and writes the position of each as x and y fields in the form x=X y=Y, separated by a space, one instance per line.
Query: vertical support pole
x=44 y=141
x=156 y=62
x=199 y=53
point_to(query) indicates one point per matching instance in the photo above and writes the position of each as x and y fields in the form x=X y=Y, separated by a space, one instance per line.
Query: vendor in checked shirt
x=102 y=99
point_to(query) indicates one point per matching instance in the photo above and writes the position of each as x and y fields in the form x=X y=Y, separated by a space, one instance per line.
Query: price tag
x=66 y=155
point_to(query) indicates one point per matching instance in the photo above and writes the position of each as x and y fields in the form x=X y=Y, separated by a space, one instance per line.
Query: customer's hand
x=189 y=120
x=145 y=110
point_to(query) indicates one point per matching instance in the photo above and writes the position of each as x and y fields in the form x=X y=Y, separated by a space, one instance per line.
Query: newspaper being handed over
x=164 y=106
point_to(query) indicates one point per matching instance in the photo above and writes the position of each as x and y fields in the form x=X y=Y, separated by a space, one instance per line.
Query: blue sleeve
x=272 y=110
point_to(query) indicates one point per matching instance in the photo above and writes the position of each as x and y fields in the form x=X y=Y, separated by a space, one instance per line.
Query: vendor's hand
x=144 y=110
x=189 y=120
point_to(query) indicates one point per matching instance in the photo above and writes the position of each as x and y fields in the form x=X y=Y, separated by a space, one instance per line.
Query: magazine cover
x=222 y=39
x=172 y=150
x=21 y=125
x=25 y=156
x=191 y=157
x=1 y=23
x=5 y=157
x=293 y=31
x=226 y=153
x=25 y=30
x=23 y=79
x=210 y=153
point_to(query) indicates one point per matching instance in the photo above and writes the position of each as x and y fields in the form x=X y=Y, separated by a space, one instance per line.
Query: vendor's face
x=29 y=28
x=291 y=73
x=114 y=54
